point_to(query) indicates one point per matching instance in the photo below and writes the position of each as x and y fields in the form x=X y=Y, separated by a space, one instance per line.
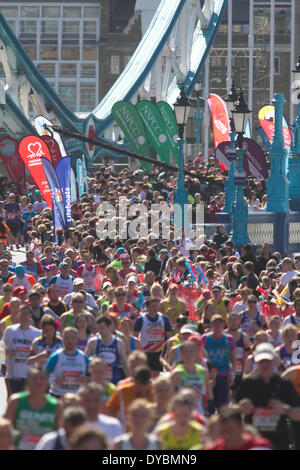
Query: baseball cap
x=106 y=284
x=132 y=279
x=264 y=351
x=187 y=329
x=19 y=290
x=12 y=195
x=121 y=250
x=232 y=259
x=63 y=264
x=20 y=271
x=78 y=281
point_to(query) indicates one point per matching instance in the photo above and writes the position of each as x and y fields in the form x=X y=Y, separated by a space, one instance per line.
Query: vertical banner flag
x=85 y=175
x=39 y=123
x=11 y=160
x=254 y=162
x=171 y=127
x=73 y=186
x=63 y=171
x=31 y=149
x=80 y=176
x=53 y=148
x=155 y=127
x=220 y=119
x=57 y=197
x=266 y=118
x=129 y=120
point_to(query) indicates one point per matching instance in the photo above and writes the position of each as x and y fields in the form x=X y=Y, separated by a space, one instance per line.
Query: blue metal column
x=278 y=184
x=240 y=207
x=181 y=194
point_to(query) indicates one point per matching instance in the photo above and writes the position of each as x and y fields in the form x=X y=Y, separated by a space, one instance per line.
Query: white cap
x=106 y=284
x=187 y=329
x=264 y=351
x=78 y=281
x=132 y=279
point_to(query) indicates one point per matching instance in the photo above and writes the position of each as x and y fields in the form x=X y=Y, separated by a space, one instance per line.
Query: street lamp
x=240 y=116
x=230 y=101
x=181 y=110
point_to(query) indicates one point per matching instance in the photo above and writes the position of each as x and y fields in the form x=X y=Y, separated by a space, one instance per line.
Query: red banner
x=12 y=161
x=31 y=149
x=220 y=120
x=53 y=148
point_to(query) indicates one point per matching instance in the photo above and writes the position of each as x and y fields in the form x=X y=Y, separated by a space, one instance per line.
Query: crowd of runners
x=104 y=351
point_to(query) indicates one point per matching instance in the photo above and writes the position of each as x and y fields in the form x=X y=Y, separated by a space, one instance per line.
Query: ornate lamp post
x=181 y=109
x=230 y=101
x=240 y=116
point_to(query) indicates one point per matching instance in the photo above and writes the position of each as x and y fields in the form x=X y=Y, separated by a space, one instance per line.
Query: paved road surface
x=18 y=257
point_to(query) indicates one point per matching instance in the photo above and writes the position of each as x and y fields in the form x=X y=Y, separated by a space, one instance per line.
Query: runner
x=43 y=346
x=220 y=348
x=153 y=329
x=267 y=399
x=78 y=307
x=183 y=432
x=189 y=374
x=68 y=367
x=138 y=438
x=234 y=435
x=91 y=399
x=33 y=412
x=18 y=341
x=109 y=348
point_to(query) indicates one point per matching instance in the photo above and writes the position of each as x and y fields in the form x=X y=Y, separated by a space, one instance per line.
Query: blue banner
x=80 y=176
x=63 y=171
x=57 y=198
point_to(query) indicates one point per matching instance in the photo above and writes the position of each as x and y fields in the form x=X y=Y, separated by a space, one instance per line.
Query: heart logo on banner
x=34 y=147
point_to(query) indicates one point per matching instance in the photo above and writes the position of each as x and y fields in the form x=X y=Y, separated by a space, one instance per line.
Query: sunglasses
x=252 y=302
x=120 y=295
x=77 y=301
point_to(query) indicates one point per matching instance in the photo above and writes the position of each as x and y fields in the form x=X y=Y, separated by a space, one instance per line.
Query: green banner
x=171 y=127
x=80 y=176
x=155 y=127
x=133 y=128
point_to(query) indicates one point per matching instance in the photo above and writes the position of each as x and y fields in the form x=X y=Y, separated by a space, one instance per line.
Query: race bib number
x=155 y=334
x=265 y=419
x=71 y=379
x=29 y=441
x=22 y=354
